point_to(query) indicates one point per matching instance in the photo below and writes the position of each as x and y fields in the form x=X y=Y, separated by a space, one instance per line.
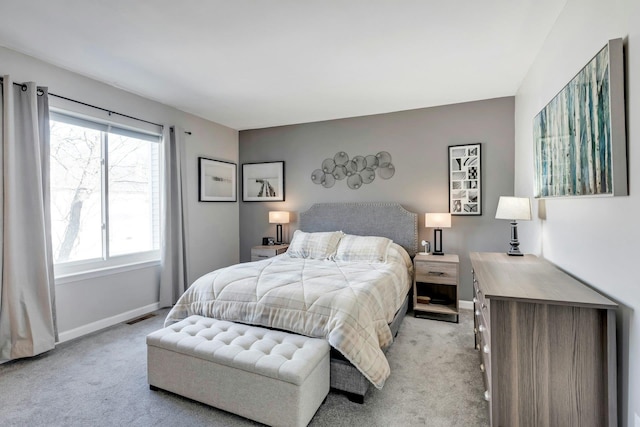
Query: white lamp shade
x=278 y=217
x=514 y=208
x=437 y=220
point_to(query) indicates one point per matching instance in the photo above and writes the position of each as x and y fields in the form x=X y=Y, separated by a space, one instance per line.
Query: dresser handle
x=486 y=349
x=435 y=273
x=482 y=367
x=477 y=312
x=475 y=300
x=487 y=395
x=481 y=328
x=475 y=330
x=477 y=346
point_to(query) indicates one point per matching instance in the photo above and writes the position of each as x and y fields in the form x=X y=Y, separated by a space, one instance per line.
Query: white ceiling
x=258 y=63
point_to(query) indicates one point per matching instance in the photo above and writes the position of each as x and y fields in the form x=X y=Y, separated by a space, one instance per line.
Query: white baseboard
x=105 y=323
x=132 y=314
x=466 y=304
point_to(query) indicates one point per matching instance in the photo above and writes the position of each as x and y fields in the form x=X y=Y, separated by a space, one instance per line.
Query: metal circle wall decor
x=372 y=161
x=358 y=171
x=328 y=166
x=341 y=158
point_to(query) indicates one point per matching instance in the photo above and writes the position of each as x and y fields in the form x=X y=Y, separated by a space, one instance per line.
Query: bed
x=356 y=300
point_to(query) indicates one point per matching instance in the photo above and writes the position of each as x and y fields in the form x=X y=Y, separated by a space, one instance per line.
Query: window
x=104 y=195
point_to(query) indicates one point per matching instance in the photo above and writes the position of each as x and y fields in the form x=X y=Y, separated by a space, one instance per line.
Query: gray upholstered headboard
x=389 y=220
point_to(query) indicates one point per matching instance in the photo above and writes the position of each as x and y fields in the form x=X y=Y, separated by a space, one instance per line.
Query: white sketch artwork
x=217 y=182
x=263 y=181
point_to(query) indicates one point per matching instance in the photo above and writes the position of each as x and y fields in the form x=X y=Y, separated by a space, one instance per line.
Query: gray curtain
x=27 y=307
x=173 y=277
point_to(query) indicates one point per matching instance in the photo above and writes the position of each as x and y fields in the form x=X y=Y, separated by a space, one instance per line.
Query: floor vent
x=140 y=319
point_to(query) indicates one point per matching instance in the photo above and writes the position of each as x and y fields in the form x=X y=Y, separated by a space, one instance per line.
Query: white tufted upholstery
x=273 y=377
x=275 y=354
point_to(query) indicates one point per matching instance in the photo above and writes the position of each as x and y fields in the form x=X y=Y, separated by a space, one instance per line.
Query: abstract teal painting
x=579 y=137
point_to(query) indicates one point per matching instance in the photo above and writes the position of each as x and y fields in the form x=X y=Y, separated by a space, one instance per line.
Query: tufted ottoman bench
x=273 y=377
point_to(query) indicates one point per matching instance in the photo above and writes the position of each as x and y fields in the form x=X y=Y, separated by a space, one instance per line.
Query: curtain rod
x=110 y=112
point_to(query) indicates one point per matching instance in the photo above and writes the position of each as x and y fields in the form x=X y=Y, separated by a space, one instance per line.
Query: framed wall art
x=217 y=181
x=465 y=179
x=263 y=182
x=579 y=136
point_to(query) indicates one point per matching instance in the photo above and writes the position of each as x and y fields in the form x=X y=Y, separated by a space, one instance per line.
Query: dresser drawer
x=436 y=272
x=481 y=305
x=485 y=366
x=484 y=349
x=482 y=322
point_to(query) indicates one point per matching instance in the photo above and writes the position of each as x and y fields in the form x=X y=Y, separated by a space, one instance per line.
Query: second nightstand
x=435 y=284
x=263 y=252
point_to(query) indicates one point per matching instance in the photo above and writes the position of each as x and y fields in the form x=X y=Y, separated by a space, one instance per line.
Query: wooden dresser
x=547 y=344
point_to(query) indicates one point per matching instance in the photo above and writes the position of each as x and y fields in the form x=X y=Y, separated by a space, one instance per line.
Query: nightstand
x=264 y=252
x=435 y=284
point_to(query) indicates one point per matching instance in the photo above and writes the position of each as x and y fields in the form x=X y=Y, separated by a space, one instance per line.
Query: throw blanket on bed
x=348 y=303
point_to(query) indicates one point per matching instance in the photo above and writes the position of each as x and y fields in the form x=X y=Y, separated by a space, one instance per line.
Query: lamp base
x=437 y=242
x=515 y=244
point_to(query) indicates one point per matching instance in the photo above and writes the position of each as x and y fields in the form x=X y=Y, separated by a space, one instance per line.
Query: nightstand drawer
x=436 y=272
x=263 y=252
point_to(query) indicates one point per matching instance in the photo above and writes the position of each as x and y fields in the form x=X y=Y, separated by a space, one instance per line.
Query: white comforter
x=350 y=304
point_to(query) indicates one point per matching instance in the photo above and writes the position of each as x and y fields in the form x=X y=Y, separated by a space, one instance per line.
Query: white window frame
x=76 y=270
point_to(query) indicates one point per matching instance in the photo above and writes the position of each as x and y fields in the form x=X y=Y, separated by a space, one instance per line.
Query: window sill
x=102 y=272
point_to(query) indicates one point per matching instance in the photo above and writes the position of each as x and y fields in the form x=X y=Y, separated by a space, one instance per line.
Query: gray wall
x=594 y=239
x=417 y=141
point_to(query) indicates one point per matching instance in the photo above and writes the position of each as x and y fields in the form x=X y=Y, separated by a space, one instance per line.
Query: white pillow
x=314 y=245
x=363 y=248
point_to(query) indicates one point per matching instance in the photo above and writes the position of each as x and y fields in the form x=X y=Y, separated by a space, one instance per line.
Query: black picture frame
x=465 y=179
x=263 y=182
x=217 y=180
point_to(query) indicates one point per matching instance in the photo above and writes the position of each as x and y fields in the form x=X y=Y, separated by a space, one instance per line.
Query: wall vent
x=140 y=319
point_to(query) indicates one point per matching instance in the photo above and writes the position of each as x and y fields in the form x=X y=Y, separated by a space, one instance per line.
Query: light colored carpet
x=100 y=380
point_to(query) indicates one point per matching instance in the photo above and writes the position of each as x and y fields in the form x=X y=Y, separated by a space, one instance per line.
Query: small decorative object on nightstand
x=427 y=247
x=267 y=251
x=435 y=285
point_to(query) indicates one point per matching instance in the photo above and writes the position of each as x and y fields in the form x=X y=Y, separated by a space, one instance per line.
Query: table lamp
x=279 y=218
x=514 y=208
x=437 y=221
